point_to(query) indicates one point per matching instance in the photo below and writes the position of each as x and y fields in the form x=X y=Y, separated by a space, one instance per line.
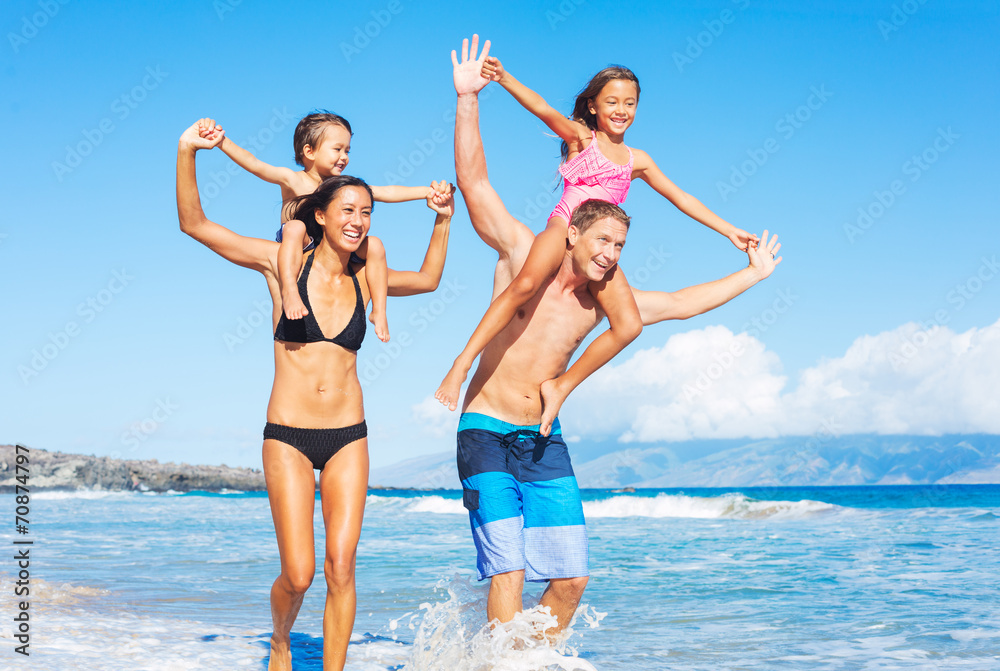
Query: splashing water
x=451 y=636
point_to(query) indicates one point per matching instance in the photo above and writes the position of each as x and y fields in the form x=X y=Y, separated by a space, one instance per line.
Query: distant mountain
x=865 y=459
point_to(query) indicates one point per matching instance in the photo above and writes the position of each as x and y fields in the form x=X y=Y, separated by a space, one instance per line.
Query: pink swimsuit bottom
x=590 y=174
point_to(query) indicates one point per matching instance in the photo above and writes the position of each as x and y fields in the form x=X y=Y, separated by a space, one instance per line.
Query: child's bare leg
x=377 y=274
x=293 y=237
x=543 y=261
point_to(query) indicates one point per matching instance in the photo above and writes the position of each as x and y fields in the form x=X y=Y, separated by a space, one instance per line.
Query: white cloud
x=711 y=383
x=434 y=419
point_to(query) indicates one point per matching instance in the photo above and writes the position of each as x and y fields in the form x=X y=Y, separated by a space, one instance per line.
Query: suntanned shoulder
x=641 y=163
x=301 y=182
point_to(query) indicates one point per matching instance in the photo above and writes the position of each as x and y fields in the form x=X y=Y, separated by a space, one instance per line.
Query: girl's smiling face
x=614 y=107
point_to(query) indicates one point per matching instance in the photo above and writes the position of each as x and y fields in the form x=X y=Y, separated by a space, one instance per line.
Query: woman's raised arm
x=253 y=253
x=426 y=280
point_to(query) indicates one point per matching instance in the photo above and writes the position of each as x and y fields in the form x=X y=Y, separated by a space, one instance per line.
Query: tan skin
x=315 y=386
x=609 y=288
x=521 y=378
x=328 y=158
x=614 y=109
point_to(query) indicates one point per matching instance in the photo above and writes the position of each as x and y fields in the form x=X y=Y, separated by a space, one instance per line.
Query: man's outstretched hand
x=762 y=256
x=468 y=74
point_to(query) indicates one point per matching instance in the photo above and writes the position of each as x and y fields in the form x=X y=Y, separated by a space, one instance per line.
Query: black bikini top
x=307 y=329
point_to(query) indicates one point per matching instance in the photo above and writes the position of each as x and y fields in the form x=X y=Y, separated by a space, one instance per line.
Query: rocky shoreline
x=55 y=471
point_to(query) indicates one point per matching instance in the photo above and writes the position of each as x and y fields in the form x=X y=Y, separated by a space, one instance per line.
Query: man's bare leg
x=504 y=600
x=562 y=596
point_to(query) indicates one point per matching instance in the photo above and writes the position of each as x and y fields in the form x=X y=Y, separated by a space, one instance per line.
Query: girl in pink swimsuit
x=596 y=165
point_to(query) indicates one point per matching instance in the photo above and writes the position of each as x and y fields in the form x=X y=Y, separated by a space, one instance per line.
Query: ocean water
x=778 y=578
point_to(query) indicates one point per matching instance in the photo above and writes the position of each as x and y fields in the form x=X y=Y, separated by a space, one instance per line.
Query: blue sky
x=775 y=116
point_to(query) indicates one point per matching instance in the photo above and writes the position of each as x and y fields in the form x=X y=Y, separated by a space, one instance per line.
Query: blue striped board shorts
x=523 y=500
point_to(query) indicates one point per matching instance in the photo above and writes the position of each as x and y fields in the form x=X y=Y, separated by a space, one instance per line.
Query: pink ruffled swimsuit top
x=591 y=174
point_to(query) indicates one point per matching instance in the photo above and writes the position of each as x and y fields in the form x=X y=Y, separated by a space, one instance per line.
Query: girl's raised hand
x=493 y=69
x=742 y=239
x=203 y=134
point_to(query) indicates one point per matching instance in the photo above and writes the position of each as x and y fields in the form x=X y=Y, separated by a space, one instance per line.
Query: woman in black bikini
x=315 y=417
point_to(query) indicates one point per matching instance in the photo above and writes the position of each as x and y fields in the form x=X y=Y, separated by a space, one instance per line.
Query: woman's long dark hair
x=581 y=112
x=304 y=208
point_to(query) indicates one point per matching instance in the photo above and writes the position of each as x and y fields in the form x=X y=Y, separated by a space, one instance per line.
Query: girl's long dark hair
x=581 y=112
x=304 y=208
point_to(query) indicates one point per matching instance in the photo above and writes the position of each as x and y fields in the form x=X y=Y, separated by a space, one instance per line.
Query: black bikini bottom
x=317 y=444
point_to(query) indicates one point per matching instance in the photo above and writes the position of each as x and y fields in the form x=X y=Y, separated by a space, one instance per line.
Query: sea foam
x=727 y=506
x=88 y=494
x=452 y=635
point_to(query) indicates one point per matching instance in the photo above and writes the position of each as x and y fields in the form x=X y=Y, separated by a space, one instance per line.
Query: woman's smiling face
x=346 y=219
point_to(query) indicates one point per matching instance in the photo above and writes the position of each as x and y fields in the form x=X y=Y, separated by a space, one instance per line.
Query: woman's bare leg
x=343 y=488
x=291 y=490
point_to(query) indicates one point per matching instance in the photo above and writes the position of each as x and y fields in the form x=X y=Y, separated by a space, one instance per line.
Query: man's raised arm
x=658 y=306
x=490 y=218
